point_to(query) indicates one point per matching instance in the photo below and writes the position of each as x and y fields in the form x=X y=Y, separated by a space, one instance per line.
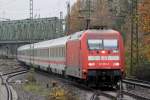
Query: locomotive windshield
x=95 y=44
x=109 y=44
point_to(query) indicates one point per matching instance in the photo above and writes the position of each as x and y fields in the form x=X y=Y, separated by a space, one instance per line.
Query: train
x=93 y=56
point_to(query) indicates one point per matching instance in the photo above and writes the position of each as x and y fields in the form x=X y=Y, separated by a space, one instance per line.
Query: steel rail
x=137 y=80
x=13 y=72
x=135 y=95
x=136 y=83
x=7 y=85
x=7 y=88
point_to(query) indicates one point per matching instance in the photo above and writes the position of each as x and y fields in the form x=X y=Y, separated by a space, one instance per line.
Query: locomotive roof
x=105 y=31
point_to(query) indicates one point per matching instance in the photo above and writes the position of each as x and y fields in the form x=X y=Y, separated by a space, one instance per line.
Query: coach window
x=35 y=52
x=24 y=52
x=61 y=51
x=40 y=52
x=43 y=52
x=58 y=52
x=64 y=50
x=46 y=52
x=51 y=52
x=54 y=52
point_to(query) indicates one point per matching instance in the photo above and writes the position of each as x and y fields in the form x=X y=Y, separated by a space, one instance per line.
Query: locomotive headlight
x=91 y=64
x=116 y=64
x=103 y=52
x=84 y=71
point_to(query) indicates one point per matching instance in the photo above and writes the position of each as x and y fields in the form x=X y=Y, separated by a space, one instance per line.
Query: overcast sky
x=19 y=9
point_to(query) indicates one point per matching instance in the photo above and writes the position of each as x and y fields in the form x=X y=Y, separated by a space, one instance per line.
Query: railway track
x=135 y=83
x=122 y=92
x=95 y=92
x=6 y=80
x=110 y=94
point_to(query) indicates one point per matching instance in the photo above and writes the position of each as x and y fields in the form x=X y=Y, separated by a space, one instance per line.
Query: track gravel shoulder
x=45 y=82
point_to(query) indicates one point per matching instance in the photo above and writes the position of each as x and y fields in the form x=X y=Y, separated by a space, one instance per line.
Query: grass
x=55 y=92
x=35 y=88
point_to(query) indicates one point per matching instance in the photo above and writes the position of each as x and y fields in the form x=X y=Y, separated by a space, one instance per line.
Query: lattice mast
x=134 y=37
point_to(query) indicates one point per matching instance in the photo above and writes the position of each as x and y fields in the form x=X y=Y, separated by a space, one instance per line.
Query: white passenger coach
x=48 y=55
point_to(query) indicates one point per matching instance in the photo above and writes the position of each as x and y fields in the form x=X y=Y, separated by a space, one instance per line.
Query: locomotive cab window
x=95 y=44
x=110 y=44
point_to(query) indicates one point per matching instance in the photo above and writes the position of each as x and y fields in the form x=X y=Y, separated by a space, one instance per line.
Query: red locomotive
x=91 y=56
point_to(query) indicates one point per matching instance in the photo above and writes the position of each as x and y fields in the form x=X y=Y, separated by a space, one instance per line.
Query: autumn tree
x=144 y=16
x=144 y=28
x=101 y=15
x=97 y=11
x=76 y=23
